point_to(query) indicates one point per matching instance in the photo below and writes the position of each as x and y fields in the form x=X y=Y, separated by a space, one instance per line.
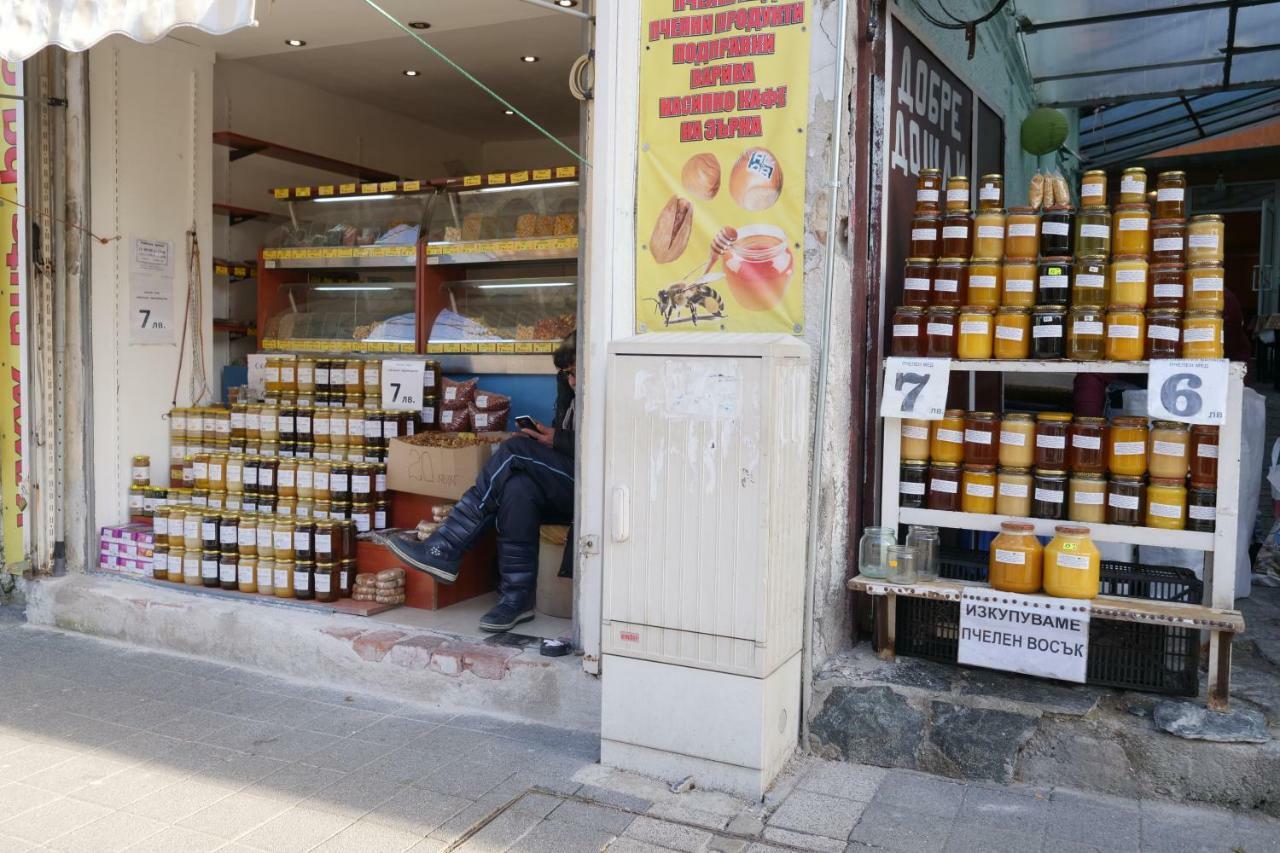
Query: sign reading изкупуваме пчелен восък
x=1030 y=634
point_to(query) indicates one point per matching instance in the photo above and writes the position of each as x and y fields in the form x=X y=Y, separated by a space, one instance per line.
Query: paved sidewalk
x=108 y=748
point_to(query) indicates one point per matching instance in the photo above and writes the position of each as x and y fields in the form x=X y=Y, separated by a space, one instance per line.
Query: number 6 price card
x=1191 y=391
x=915 y=387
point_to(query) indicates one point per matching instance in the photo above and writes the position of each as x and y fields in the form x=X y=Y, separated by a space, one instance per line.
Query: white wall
x=141 y=177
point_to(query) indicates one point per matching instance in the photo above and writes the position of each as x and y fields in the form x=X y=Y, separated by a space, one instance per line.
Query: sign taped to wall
x=724 y=101
x=150 y=308
x=1030 y=634
x=13 y=249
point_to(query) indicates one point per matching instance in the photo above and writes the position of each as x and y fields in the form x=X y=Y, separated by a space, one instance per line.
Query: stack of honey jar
x=1053 y=466
x=1087 y=285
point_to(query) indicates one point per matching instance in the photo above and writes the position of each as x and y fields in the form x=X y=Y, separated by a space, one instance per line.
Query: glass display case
x=327 y=311
x=504 y=315
x=495 y=223
x=375 y=219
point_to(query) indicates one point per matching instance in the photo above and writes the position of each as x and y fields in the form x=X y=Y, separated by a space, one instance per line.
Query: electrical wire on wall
x=193 y=316
x=969 y=25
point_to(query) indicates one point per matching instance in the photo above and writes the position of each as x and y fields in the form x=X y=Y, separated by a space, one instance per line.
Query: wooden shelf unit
x=1219 y=546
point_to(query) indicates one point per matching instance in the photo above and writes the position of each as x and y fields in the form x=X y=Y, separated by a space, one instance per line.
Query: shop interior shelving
x=244 y=146
x=1215 y=615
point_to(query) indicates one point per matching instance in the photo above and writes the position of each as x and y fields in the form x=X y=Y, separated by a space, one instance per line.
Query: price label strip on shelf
x=402 y=384
x=915 y=387
x=1193 y=391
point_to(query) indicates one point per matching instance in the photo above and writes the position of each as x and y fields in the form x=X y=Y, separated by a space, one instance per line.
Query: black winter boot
x=518 y=579
x=440 y=555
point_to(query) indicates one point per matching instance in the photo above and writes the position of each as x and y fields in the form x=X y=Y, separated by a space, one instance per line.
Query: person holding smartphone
x=527 y=482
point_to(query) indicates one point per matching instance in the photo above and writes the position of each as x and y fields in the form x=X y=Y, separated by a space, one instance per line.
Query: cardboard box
x=439 y=472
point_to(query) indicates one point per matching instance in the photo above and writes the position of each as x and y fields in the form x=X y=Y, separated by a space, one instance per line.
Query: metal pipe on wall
x=828 y=292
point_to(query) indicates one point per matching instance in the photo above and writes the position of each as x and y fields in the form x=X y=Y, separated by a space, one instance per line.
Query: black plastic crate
x=1128 y=655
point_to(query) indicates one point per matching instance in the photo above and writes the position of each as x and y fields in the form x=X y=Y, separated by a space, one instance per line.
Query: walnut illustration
x=701 y=176
x=671 y=232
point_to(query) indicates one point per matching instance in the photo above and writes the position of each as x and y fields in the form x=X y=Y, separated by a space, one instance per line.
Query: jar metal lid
x=1071 y=530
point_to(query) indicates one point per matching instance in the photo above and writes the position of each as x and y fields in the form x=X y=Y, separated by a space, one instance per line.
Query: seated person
x=527 y=482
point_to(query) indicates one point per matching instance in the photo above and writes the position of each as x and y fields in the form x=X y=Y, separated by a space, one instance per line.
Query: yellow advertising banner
x=724 y=88
x=12 y=363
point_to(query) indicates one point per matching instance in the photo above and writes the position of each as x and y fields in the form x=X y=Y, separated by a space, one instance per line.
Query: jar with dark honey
x=347 y=572
x=304 y=580
x=362 y=483
x=1124 y=500
x=381 y=515
x=925 y=241
x=1202 y=509
x=380 y=492
x=1168 y=241
x=229 y=571
x=267 y=477
x=950 y=282
x=1053 y=281
x=913 y=478
x=229 y=533
x=916 y=281
x=957 y=234
x=1055 y=230
x=908 y=331
x=340 y=482
x=1051 y=440
x=980 y=445
x=362 y=516
x=1049 y=495
x=1164 y=334
x=944 y=486
x=326 y=582
x=348 y=528
x=1204 y=456
x=303 y=540
x=940 y=333
x=160 y=562
x=1048 y=331
x=288 y=424
x=209 y=568
x=1087 y=453
x=1171 y=192
x=209 y=539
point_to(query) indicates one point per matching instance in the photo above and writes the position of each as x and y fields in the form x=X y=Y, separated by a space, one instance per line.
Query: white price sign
x=1031 y=634
x=915 y=387
x=402 y=384
x=150 y=316
x=1187 y=390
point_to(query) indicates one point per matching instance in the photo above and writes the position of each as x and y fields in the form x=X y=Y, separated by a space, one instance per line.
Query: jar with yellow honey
x=1127 y=447
x=1015 y=561
x=1128 y=280
x=1202 y=335
x=1131 y=230
x=988 y=234
x=946 y=437
x=1013 y=492
x=1022 y=233
x=978 y=489
x=985 y=279
x=1206 y=238
x=1205 y=290
x=1017 y=440
x=974 y=333
x=1126 y=333
x=1072 y=564
x=1166 y=504
x=1086 y=498
x=958 y=196
x=915 y=440
x=1019 y=284
x=1168 y=455
x=1093 y=232
x=991 y=193
x=1012 y=333
x=1093 y=188
x=1133 y=186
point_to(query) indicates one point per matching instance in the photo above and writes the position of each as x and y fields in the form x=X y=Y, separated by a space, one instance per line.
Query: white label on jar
x=1123 y=501
x=1095 y=231
x=360 y=484
x=955 y=232
x=1170 y=194
x=306 y=478
x=287 y=477
x=322 y=583
x=1051 y=496
x=1060 y=229
x=215 y=473
x=227 y=535
x=1013 y=490
x=246 y=536
x=1087 y=498
x=1131 y=186
x=957 y=195
x=926 y=195
x=306 y=375
x=304 y=424
x=323 y=376
x=977 y=436
x=981 y=281
x=1021 y=229
x=1131 y=224
x=177 y=452
x=245 y=574
x=1051 y=442
x=1051 y=331
x=1086 y=327
x=191 y=528
x=265 y=577
x=929 y=234
x=322 y=479
x=266 y=477
x=1207 y=451
x=338 y=482
x=1203 y=513
x=947 y=486
x=253 y=421
x=355 y=427
x=1203 y=241
x=324 y=543
x=235 y=472
x=1008 y=333
x=226 y=572
x=287 y=423
x=1164 y=510
x=1167 y=244
x=912 y=431
x=1090 y=280
x=380 y=481
x=372 y=376
x=1130 y=276
x=1072 y=561
x=251 y=475
x=978 y=490
x=1091 y=189
x=1197 y=336
x=301 y=540
x=946 y=285
x=911 y=488
x=364 y=522
x=1088 y=442
x=1018 y=558
x=282 y=541
x=1129 y=448
x=1206 y=284
x=1050 y=281
x=223 y=426
x=1019 y=285
x=372 y=428
x=390 y=428
x=954 y=436
x=281 y=579
x=175 y=526
x=208 y=531
x=994 y=232
x=351 y=376
x=1169 y=290
x=237 y=420
x=988 y=192
x=933 y=329
x=974 y=327
x=201 y=470
x=1117 y=330
x=915 y=284
x=209 y=569
x=321 y=425
x=338 y=425
x=1168 y=448
x=1013 y=439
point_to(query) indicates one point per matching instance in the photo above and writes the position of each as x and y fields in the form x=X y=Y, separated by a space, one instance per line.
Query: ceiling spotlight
x=421 y=25
x=294 y=42
x=409 y=72
x=567 y=3
x=508 y=112
x=528 y=59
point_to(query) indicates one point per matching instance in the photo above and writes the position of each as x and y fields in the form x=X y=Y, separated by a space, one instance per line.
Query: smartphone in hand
x=526 y=422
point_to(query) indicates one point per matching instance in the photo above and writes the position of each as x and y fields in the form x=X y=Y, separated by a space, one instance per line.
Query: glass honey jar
x=946 y=437
x=1124 y=501
x=1202 y=509
x=1131 y=230
x=940 y=332
x=1204 y=456
x=1087 y=498
x=1127 y=447
x=991 y=193
x=1012 y=338
x=1168 y=241
x=914 y=445
x=1093 y=232
x=1049 y=494
x=1133 y=186
x=1053 y=281
x=974 y=333
x=950 y=282
x=1089 y=284
x=1019 y=285
x=1171 y=195
x=1166 y=504
x=1167 y=286
x=957 y=234
x=1085 y=333
x=1022 y=233
x=925 y=241
x=1126 y=333
x=1051 y=440
x=1049 y=332
x=929 y=191
x=1087 y=440
x=980 y=445
x=1202 y=335
x=1015 y=559
x=1128 y=279
x=958 y=195
x=1093 y=188
x=1164 y=334
x=1013 y=492
x=944 y=487
x=1055 y=231
x=988 y=234
x=1168 y=450
x=917 y=280
x=1206 y=238
x=1017 y=440
x=985 y=279
x=978 y=489
x=1205 y=292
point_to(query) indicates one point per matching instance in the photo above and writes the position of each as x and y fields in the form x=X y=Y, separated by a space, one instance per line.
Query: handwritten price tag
x=402 y=384
x=1194 y=392
x=915 y=388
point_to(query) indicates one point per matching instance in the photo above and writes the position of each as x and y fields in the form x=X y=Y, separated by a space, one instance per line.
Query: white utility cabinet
x=707 y=452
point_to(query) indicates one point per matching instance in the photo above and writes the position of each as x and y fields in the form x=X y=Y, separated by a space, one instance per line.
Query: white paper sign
x=915 y=387
x=150 y=311
x=1031 y=634
x=1191 y=391
x=257 y=363
x=402 y=384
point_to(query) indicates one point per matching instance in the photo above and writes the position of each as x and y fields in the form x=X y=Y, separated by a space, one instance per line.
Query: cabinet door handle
x=621 y=514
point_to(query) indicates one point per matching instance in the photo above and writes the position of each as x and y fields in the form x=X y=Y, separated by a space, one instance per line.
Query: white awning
x=28 y=26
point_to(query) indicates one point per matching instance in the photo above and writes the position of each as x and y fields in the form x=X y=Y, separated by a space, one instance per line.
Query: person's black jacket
x=565 y=423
